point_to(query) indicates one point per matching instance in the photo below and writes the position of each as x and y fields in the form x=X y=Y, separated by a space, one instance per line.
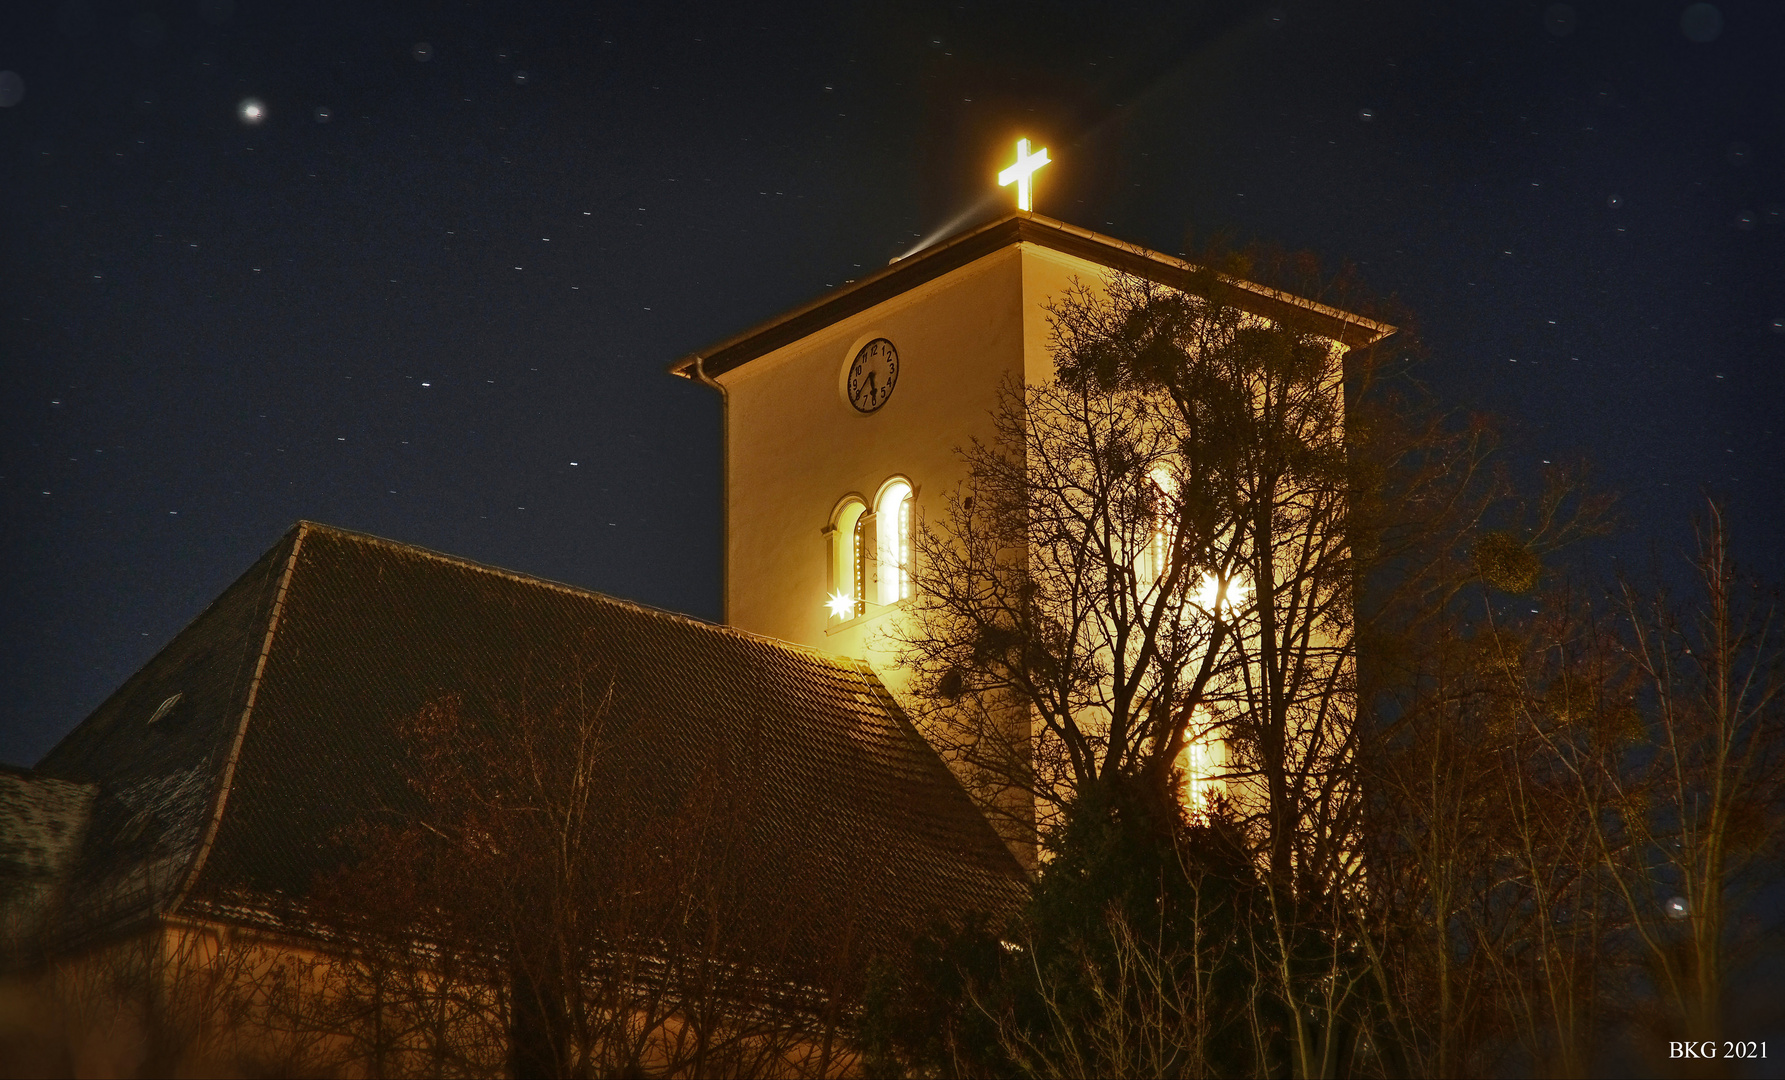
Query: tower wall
x=797 y=448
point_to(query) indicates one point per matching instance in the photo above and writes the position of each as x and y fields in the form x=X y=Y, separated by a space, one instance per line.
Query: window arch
x=892 y=513
x=848 y=594
x=870 y=550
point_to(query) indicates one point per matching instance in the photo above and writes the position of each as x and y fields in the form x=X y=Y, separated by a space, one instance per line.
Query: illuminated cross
x=1018 y=174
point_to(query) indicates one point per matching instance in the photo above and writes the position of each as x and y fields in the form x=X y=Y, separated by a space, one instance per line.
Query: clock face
x=873 y=374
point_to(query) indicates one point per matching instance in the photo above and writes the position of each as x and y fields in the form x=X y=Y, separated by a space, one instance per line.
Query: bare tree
x=1057 y=642
x=1703 y=822
x=530 y=916
x=1686 y=820
x=1152 y=554
x=1492 y=937
x=1568 y=823
x=1182 y=540
x=1156 y=556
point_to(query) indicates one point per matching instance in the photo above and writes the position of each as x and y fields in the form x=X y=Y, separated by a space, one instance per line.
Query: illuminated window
x=863 y=567
x=892 y=513
x=1163 y=528
x=870 y=552
x=847 y=597
x=1202 y=764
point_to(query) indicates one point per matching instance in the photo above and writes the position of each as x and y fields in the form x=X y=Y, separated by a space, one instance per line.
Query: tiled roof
x=157 y=781
x=294 y=682
x=42 y=823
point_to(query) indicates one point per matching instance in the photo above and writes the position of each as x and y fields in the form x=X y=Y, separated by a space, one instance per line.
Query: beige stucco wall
x=797 y=448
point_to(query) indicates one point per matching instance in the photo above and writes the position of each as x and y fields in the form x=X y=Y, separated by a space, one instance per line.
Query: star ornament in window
x=842 y=605
x=1225 y=593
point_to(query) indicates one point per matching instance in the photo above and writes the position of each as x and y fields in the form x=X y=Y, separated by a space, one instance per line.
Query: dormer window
x=165 y=707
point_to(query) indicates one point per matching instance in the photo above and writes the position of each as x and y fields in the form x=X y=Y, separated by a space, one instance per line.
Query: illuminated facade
x=843 y=419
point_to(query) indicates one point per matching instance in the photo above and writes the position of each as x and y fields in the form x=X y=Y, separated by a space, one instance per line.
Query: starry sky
x=417 y=268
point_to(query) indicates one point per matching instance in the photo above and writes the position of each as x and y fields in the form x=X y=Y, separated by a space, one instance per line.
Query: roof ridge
x=577 y=590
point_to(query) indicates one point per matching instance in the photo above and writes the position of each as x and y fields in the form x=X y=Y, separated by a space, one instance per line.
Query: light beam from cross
x=1019 y=174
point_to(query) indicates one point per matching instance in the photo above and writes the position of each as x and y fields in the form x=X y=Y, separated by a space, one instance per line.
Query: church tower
x=842 y=417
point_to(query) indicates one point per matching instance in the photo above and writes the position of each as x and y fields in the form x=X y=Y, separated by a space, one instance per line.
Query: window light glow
x=863 y=567
x=1164 y=532
x=1021 y=173
x=1213 y=593
x=846 y=595
x=893 y=545
x=870 y=551
x=1201 y=762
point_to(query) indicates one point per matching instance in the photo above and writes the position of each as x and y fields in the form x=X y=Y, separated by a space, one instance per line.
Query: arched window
x=848 y=595
x=870 y=551
x=892 y=513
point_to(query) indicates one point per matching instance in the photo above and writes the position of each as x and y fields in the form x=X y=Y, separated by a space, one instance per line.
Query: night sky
x=431 y=293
